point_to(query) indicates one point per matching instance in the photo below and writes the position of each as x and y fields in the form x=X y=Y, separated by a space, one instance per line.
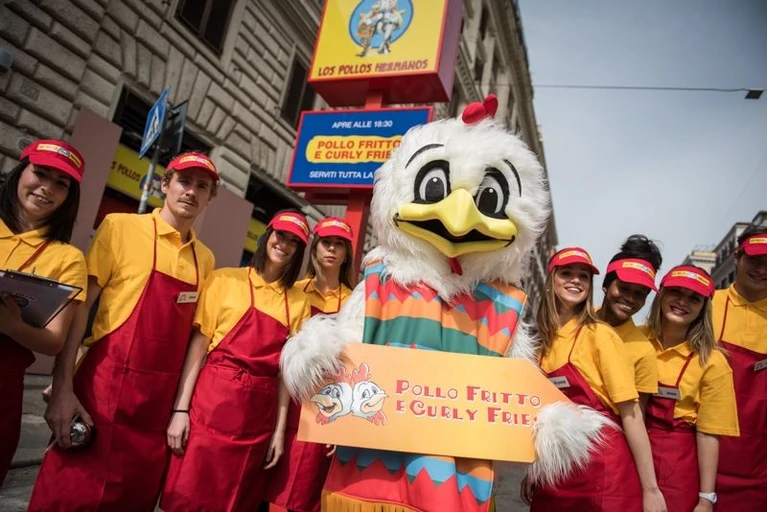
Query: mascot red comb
x=456 y=210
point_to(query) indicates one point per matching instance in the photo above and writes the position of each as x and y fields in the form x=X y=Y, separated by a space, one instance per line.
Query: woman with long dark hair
x=588 y=362
x=229 y=417
x=629 y=279
x=38 y=207
x=695 y=403
x=296 y=482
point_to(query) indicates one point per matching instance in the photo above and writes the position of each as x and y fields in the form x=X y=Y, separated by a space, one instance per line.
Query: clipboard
x=39 y=298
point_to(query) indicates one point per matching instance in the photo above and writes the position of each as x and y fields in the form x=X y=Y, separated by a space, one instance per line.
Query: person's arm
x=178 y=429
x=46 y=340
x=639 y=443
x=63 y=404
x=276 y=445
x=708 y=458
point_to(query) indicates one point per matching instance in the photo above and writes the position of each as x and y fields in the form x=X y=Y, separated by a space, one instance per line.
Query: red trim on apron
x=14 y=359
x=233 y=414
x=610 y=481
x=741 y=481
x=674 y=449
x=296 y=482
x=127 y=382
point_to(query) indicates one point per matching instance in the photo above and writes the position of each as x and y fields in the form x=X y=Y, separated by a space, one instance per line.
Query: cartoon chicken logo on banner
x=456 y=209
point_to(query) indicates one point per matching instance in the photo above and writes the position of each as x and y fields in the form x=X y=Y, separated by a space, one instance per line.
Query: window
x=483 y=19
x=455 y=101
x=300 y=95
x=207 y=21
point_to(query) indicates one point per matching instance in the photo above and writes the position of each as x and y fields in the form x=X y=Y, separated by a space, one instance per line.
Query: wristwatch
x=709 y=496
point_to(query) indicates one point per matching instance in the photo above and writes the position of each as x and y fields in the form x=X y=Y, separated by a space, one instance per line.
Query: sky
x=679 y=167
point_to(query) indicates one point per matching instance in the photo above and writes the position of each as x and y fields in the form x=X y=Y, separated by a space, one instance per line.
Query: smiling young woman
x=695 y=403
x=588 y=362
x=296 y=482
x=629 y=279
x=230 y=412
x=38 y=206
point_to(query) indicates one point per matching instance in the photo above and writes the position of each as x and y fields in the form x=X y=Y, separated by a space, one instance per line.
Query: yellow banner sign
x=352 y=149
x=430 y=402
x=129 y=172
x=368 y=38
x=255 y=230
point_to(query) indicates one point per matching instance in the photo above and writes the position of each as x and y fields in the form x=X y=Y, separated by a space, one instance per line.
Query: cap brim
x=636 y=277
x=213 y=174
x=335 y=231
x=57 y=163
x=291 y=228
x=689 y=284
x=755 y=249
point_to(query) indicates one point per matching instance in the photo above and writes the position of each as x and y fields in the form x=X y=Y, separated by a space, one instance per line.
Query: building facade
x=724 y=268
x=240 y=65
x=703 y=257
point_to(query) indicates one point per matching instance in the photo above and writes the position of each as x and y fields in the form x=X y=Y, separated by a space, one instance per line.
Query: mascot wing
x=313 y=353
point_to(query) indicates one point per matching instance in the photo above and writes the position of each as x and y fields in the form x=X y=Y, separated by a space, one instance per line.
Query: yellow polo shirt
x=226 y=298
x=642 y=355
x=707 y=394
x=746 y=321
x=59 y=261
x=120 y=258
x=329 y=303
x=601 y=358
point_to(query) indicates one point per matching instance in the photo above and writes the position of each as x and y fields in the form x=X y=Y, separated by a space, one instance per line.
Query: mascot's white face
x=472 y=194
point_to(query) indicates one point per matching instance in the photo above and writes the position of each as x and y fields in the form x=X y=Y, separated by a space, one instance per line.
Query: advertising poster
x=342 y=149
x=429 y=402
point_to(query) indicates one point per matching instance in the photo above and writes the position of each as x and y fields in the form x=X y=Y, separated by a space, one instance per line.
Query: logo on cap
x=295 y=220
x=194 y=158
x=756 y=241
x=691 y=275
x=336 y=223
x=574 y=253
x=639 y=266
x=61 y=151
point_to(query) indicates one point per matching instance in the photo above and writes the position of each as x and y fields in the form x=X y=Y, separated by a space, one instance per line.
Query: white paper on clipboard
x=40 y=299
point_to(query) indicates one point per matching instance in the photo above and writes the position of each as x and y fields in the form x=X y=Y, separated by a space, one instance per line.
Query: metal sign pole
x=149 y=177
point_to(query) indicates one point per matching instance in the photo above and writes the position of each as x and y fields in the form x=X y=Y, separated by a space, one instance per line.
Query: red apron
x=127 y=382
x=610 y=481
x=296 y=483
x=674 y=449
x=14 y=359
x=233 y=413
x=741 y=481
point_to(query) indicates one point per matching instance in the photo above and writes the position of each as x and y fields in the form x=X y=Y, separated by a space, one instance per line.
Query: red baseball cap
x=755 y=245
x=692 y=278
x=194 y=160
x=57 y=154
x=571 y=256
x=333 y=226
x=634 y=271
x=291 y=222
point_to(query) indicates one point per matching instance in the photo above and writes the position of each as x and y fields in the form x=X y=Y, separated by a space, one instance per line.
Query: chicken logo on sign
x=356 y=394
x=377 y=24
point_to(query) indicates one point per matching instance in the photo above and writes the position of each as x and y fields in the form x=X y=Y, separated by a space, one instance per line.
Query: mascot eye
x=335 y=393
x=366 y=394
x=432 y=184
x=493 y=194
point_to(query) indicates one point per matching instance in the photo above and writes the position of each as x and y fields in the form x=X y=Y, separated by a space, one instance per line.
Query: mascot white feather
x=455 y=209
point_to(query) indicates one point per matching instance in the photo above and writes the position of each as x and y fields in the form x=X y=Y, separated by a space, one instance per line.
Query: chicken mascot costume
x=455 y=210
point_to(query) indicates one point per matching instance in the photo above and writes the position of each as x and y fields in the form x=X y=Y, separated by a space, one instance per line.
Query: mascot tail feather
x=311 y=355
x=565 y=436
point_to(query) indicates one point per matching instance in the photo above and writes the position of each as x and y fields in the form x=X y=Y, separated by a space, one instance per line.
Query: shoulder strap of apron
x=250 y=288
x=577 y=333
x=724 y=318
x=194 y=255
x=684 y=368
x=35 y=254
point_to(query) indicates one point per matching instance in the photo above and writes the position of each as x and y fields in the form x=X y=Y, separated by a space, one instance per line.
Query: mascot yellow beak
x=455 y=226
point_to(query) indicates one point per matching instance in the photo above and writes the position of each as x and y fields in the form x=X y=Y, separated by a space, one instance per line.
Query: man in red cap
x=740 y=325
x=147 y=271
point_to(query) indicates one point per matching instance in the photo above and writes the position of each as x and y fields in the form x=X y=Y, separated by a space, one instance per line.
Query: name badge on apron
x=666 y=392
x=760 y=365
x=560 y=382
x=187 y=297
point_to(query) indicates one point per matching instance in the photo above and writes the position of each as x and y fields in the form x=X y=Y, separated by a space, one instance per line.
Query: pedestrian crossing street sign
x=154 y=122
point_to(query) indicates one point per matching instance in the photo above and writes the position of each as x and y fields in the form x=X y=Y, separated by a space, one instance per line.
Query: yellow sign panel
x=352 y=149
x=255 y=230
x=429 y=402
x=129 y=172
x=372 y=38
